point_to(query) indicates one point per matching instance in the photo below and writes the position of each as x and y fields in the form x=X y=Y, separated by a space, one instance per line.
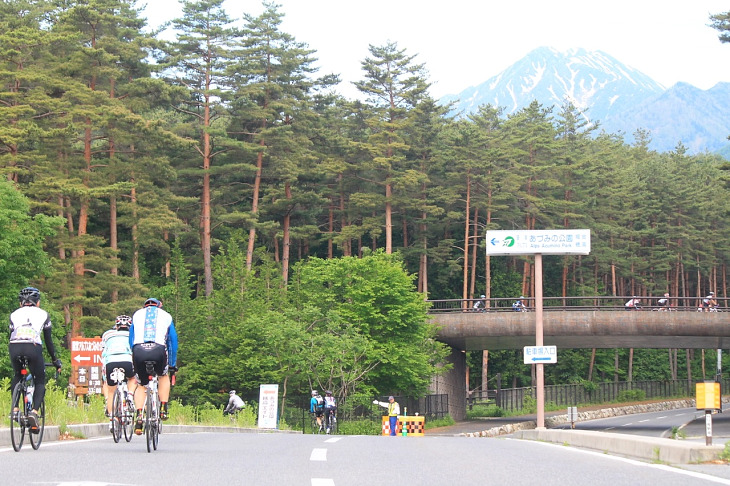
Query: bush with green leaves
x=631 y=396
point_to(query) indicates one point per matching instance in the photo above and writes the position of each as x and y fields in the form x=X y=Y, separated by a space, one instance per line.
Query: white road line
x=642 y=421
x=663 y=417
x=322 y=482
x=626 y=425
x=635 y=462
x=318 y=455
x=333 y=440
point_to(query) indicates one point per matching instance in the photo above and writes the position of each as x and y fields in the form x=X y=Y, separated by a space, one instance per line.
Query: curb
x=85 y=431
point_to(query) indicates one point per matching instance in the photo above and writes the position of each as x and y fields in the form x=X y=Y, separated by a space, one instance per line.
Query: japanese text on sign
x=547 y=242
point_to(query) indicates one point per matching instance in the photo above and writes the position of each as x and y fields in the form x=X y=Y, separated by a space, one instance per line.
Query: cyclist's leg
x=15 y=351
x=139 y=356
x=38 y=370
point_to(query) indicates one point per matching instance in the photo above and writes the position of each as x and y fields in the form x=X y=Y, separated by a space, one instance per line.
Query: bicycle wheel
x=333 y=424
x=37 y=437
x=148 y=421
x=17 y=424
x=117 y=415
x=157 y=421
x=128 y=420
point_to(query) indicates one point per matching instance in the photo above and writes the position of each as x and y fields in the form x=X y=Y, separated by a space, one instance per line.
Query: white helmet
x=232 y=392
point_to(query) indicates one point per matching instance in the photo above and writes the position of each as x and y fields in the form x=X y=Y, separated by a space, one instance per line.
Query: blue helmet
x=152 y=301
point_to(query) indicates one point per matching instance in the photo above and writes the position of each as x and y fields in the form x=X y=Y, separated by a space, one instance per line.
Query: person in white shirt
x=235 y=403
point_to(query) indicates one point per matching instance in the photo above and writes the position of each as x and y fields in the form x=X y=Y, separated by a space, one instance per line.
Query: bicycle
x=23 y=394
x=331 y=422
x=152 y=421
x=317 y=428
x=122 y=410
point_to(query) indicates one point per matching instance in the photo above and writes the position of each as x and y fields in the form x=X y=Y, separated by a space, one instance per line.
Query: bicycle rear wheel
x=128 y=420
x=117 y=415
x=152 y=422
x=17 y=424
x=37 y=437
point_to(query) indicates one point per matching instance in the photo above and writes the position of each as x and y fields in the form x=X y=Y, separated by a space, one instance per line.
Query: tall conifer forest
x=281 y=222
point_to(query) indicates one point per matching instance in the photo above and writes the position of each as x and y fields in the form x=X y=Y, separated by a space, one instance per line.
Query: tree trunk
x=467 y=212
x=286 y=238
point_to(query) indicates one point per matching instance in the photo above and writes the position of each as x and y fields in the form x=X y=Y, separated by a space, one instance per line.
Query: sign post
x=707 y=397
x=86 y=365
x=268 y=406
x=539 y=243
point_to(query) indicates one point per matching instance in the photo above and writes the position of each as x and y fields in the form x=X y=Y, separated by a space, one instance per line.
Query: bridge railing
x=516 y=400
x=590 y=303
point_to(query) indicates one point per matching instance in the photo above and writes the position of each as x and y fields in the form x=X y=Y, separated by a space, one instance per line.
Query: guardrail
x=518 y=399
x=595 y=303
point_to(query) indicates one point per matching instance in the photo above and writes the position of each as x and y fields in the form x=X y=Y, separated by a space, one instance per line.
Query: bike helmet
x=123 y=323
x=483 y=296
x=328 y=393
x=29 y=296
x=152 y=301
x=314 y=392
x=232 y=392
x=712 y=293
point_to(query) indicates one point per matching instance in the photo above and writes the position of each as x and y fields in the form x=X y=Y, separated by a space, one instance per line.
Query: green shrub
x=485 y=411
x=631 y=396
x=359 y=427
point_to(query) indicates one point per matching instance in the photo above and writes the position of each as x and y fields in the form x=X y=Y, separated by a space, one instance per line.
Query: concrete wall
x=453 y=383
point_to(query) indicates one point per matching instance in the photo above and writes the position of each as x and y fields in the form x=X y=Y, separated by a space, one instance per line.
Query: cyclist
x=480 y=305
x=116 y=357
x=330 y=407
x=709 y=302
x=316 y=407
x=235 y=404
x=152 y=337
x=518 y=305
x=27 y=323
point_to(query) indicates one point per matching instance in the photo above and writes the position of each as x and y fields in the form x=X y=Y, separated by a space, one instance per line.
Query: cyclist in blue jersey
x=152 y=337
x=116 y=356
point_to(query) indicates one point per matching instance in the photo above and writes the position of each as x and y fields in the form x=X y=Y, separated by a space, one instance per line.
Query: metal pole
x=539 y=370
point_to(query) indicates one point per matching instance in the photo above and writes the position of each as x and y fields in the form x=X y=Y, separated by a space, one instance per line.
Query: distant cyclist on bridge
x=152 y=337
x=709 y=303
x=519 y=305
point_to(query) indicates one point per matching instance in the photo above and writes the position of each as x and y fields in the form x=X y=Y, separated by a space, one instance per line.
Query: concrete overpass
x=569 y=327
x=473 y=331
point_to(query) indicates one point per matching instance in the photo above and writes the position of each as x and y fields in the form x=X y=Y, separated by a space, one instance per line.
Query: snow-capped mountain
x=621 y=98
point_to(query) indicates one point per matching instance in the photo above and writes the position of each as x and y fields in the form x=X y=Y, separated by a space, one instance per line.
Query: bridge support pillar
x=453 y=384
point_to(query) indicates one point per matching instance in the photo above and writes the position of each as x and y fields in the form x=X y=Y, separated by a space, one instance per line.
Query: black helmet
x=152 y=301
x=122 y=323
x=29 y=296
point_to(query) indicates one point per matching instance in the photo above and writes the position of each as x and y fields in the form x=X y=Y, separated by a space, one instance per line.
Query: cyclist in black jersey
x=27 y=324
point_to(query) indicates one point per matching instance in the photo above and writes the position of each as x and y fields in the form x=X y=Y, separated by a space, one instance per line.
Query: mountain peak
x=622 y=98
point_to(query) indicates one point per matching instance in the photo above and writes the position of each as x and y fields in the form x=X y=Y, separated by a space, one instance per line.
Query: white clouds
x=465 y=42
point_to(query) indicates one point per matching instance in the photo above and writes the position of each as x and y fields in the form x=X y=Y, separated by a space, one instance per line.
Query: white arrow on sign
x=79 y=359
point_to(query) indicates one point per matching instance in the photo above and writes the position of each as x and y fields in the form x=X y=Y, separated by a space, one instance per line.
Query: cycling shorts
x=154 y=352
x=117 y=372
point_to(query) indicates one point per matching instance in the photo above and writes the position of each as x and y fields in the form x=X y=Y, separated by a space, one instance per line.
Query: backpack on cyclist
x=320 y=403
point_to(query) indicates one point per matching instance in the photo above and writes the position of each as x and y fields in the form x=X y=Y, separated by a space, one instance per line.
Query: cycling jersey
x=27 y=323
x=154 y=325
x=115 y=346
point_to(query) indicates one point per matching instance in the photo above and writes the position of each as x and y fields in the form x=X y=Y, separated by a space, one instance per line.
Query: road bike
x=122 y=409
x=317 y=428
x=22 y=399
x=331 y=422
x=152 y=421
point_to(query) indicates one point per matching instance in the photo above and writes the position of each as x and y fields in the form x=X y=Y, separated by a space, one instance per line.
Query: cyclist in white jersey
x=116 y=356
x=152 y=337
x=27 y=323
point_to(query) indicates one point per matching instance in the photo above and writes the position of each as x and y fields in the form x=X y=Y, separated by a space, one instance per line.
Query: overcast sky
x=465 y=42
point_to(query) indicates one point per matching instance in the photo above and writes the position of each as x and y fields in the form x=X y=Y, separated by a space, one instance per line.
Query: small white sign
x=540 y=354
x=268 y=406
x=545 y=242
